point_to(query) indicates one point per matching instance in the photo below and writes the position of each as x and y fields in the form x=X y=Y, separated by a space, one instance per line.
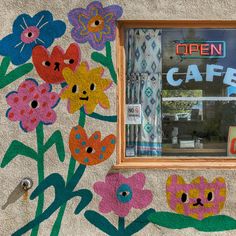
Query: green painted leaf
x=100 y=58
x=17 y=148
x=4 y=66
x=139 y=223
x=86 y=197
x=100 y=222
x=15 y=74
x=172 y=220
x=177 y=221
x=56 y=138
x=216 y=223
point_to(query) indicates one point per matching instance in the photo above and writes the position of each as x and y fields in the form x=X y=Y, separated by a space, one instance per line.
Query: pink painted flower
x=32 y=104
x=119 y=194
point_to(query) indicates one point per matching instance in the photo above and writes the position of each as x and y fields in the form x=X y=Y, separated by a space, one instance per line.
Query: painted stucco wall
x=22 y=210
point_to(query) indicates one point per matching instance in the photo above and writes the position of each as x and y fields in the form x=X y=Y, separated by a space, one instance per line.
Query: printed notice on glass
x=133 y=114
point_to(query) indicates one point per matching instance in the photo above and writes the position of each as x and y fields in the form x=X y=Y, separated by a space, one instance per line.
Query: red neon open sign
x=201 y=49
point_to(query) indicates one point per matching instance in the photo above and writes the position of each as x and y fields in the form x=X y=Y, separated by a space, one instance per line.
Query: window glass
x=180 y=91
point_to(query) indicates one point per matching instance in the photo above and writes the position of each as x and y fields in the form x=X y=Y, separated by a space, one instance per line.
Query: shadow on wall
x=16 y=194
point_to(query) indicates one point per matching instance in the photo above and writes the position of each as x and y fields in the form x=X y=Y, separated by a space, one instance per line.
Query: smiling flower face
x=120 y=194
x=85 y=88
x=49 y=67
x=94 y=24
x=92 y=150
x=28 y=32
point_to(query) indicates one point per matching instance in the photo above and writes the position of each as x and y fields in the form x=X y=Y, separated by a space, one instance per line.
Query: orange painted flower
x=92 y=150
x=85 y=88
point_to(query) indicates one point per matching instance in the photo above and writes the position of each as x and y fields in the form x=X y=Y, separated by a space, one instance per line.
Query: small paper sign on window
x=133 y=114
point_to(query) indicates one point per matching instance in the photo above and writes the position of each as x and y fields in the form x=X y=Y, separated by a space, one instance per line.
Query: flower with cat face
x=85 y=88
x=198 y=199
x=94 y=24
x=90 y=150
x=28 y=32
x=31 y=104
x=50 y=67
x=120 y=194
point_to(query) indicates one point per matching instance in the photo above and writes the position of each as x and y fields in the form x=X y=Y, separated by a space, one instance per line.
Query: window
x=177 y=94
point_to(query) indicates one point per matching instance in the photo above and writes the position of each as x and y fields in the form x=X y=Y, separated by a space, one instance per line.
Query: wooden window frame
x=159 y=163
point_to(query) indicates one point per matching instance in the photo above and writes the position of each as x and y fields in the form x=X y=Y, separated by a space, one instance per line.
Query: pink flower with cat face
x=120 y=194
x=32 y=104
x=198 y=199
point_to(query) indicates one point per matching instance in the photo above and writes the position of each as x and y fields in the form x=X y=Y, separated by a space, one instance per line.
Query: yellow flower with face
x=85 y=88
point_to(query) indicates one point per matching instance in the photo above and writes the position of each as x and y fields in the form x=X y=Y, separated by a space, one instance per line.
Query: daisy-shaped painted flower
x=120 y=194
x=94 y=24
x=31 y=104
x=85 y=88
x=28 y=32
x=90 y=150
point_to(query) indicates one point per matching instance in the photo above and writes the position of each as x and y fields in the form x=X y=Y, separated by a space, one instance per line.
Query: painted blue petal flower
x=28 y=32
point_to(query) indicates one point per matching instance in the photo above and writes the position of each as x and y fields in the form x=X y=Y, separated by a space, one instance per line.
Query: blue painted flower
x=28 y=32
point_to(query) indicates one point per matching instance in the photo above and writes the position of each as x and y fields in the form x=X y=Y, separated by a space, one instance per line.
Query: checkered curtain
x=143 y=55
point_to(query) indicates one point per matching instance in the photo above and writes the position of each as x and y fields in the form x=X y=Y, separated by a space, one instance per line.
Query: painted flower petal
x=13 y=47
x=104 y=101
x=31 y=104
x=18 y=45
x=51 y=31
x=89 y=107
x=115 y=179
x=101 y=188
x=41 y=18
x=120 y=194
x=137 y=180
x=104 y=207
x=12 y=99
x=90 y=151
x=22 y=22
x=141 y=198
x=121 y=210
x=47 y=116
x=30 y=124
x=97 y=38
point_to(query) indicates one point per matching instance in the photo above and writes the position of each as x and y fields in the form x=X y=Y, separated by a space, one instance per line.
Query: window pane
x=180 y=91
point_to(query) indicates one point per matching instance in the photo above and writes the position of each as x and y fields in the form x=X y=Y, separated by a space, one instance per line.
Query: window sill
x=176 y=164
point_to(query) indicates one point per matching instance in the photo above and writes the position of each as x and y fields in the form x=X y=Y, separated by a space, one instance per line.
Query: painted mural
x=197 y=204
x=32 y=104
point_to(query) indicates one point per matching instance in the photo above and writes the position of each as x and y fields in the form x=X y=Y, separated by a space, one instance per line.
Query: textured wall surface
x=21 y=211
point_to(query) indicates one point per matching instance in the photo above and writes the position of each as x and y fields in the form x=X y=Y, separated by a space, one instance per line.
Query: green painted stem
x=121 y=225
x=106 y=61
x=100 y=117
x=57 y=224
x=40 y=168
x=110 y=62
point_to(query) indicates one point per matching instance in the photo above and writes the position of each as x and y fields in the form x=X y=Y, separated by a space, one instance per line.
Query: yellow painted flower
x=85 y=88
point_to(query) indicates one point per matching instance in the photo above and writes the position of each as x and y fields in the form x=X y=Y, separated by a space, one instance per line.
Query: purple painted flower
x=31 y=104
x=94 y=24
x=119 y=194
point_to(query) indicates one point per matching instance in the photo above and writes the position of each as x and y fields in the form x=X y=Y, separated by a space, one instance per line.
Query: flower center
x=89 y=150
x=30 y=34
x=96 y=24
x=34 y=104
x=124 y=193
